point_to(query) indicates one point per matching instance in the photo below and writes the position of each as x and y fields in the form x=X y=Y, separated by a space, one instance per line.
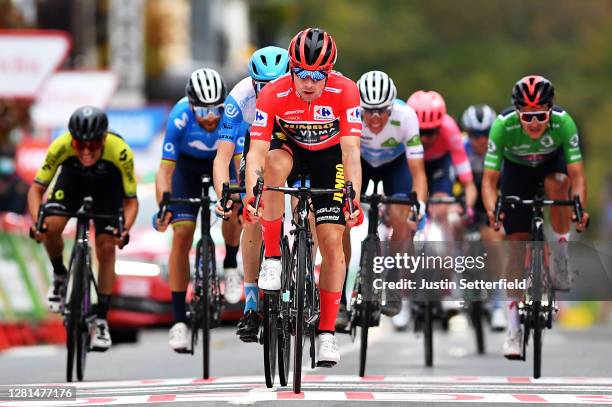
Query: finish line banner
x=477 y=271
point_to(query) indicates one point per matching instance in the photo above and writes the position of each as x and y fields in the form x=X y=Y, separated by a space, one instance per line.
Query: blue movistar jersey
x=239 y=110
x=185 y=136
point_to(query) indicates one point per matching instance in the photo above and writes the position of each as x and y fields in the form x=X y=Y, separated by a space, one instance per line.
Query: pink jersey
x=449 y=141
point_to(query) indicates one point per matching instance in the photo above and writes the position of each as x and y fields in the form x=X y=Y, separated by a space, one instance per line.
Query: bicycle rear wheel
x=301 y=242
x=428 y=332
x=270 y=334
x=284 y=317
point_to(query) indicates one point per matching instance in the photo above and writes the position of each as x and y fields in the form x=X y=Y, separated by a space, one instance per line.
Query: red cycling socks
x=271 y=231
x=330 y=302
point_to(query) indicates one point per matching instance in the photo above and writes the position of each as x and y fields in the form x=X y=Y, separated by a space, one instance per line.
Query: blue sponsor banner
x=137 y=126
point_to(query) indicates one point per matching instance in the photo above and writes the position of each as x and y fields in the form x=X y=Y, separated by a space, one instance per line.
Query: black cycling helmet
x=88 y=123
x=533 y=90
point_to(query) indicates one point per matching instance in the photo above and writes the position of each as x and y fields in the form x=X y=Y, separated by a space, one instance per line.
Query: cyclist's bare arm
x=489 y=193
x=225 y=151
x=163 y=179
x=130 y=211
x=351 y=161
x=419 y=178
x=471 y=193
x=255 y=164
x=579 y=187
x=35 y=196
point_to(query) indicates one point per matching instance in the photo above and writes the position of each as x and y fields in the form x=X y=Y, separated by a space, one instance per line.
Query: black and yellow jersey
x=117 y=158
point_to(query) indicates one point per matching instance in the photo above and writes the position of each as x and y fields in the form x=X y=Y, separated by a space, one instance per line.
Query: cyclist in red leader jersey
x=310 y=120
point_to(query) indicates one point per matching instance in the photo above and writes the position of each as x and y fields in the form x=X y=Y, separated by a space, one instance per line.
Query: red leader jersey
x=312 y=126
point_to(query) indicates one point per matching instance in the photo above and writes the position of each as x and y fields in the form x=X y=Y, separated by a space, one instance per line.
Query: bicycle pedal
x=326 y=363
x=96 y=349
x=183 y=351
x=513 y=357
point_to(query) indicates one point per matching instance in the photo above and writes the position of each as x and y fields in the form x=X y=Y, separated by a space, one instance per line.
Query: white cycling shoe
x=57 y=293
x=329 y=354
x=560 y=266
x=270 y=275
x=179 y=337
x=512 y=344
x=101 y=340
x=233 y=285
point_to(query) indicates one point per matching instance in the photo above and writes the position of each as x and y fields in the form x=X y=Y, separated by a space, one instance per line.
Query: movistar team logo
x=547 y=141
x=231 y=110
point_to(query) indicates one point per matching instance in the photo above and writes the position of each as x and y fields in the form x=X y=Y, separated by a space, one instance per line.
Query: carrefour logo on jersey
x=354 y=115
x=323 y=112
x=261 y=118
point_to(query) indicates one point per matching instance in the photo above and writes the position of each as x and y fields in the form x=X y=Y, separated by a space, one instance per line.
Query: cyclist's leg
x=557 y=186
x=231 y=230
x=186 y=183
x=439 y=184
x=280 y=162
x=397 y=182
x=327 y=172
x=250 y=242
x=65 y=195
x=519 y=181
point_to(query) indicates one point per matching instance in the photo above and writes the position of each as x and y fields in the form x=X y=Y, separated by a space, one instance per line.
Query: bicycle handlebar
x=539 y=203
x=412 y=201
x=83 y=213
x=227 y=192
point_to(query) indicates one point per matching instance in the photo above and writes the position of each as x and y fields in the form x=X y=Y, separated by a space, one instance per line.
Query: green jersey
x=508 y=140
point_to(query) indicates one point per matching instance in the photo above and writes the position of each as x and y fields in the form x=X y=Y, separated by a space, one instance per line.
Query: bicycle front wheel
x=476 y=315
x=537 y=339
x=284 y=318
x=301 y=261
x=204 y=270
x=428 y=333
x=270 y=334
x=74 y=344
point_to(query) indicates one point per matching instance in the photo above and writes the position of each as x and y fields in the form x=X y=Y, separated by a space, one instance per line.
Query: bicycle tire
x=284 y=325
x=428 y=333
x=476 y=314
x=537 y=340
x=364 y=319
x=301 y=241
x=369 y=250
x=74 y=343
x=203 y=307
x=270 y=337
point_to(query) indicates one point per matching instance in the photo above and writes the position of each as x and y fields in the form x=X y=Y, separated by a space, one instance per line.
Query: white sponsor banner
x=65 y=91
x=27 y=58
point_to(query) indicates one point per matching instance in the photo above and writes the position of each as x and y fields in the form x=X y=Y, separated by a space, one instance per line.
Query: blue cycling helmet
x=268 y=63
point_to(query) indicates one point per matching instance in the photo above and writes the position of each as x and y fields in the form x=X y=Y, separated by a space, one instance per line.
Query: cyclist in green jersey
x=537 y=142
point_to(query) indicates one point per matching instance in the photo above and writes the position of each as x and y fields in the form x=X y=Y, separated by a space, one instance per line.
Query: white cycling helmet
x=205 y=87
x=478 y=118
x=377 y=90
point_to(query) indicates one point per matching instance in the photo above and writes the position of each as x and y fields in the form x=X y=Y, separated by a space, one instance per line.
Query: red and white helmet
x=429 y=107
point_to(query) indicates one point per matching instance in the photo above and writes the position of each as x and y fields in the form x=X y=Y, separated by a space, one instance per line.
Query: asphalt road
x=577 y=369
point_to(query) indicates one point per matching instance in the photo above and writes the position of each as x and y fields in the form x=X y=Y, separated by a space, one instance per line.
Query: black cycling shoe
x=248 y=327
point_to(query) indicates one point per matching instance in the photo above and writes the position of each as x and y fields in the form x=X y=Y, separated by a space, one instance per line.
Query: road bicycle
x=78 y=313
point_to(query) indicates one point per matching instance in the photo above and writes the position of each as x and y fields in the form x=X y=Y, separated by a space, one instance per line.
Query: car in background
x=141 y=293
